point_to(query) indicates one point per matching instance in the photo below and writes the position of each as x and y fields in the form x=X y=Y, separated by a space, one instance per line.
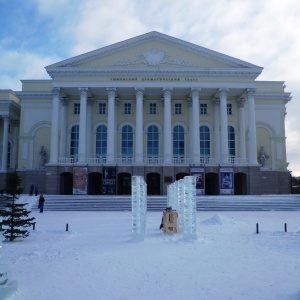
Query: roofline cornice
x=286 y=97
x=34 y=94
x=176 y=72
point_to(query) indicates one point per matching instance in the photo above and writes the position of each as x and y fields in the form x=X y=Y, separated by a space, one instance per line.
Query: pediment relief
x=153 y=51
x=154 y=58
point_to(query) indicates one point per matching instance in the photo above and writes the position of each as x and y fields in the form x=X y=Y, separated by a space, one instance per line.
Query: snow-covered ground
x=96 y=258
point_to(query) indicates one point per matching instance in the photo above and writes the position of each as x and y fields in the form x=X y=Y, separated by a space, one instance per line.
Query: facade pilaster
x=111 y=124
x=16 y=144
x=242 y=133
x=195 y=128
x=252 y=148
x=216 y=107
x=63 y=127
x=224 y=126
x=54 y=126
x=5 y=143
x=139 y=126
x=167 y=92
x=89 y=125
x=82 y=125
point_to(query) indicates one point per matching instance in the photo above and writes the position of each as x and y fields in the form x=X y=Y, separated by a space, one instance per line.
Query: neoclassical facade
x=153 y=106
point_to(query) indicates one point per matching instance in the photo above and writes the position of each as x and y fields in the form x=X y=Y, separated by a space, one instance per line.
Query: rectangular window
x=127 y=108
x=152 y=108
x=102 y=108
x=203 y=109
x=229 y=109
x=178 y=109
x=76 y=110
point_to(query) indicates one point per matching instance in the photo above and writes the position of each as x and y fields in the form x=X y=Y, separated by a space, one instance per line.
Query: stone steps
x=159 y=203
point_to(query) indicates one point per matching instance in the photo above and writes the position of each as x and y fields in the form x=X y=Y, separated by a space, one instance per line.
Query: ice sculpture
x=139 y=208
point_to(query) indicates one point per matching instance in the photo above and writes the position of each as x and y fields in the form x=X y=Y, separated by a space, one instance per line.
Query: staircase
x=159 y=203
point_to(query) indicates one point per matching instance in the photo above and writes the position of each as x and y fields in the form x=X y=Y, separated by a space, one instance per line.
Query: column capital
x=56 y=92
x=223 y=92
x=167 y=92
x=83 y=91
x=139 y=92
x=112 y=92
x=195 y=92
x=251 y=92
x=241 y=102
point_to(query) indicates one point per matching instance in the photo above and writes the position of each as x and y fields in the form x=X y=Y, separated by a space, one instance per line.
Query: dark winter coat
x=41 y=202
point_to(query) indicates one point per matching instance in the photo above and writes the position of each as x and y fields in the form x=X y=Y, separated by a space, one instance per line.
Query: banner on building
x=200 y=176
x=109 y=181
x=79 y=181
x=226 y=181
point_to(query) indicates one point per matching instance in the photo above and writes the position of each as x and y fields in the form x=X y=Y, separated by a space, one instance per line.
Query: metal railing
x=154 y=160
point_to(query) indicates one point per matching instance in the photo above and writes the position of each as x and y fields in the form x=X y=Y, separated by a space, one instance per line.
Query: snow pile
x=219 y=220
x=96 y=258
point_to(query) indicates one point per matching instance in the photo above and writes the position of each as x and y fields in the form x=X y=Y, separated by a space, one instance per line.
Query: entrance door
x=124 y=184
x=66 y=183
x=181 y=175
x=153 y=184
x=212 y=184
x=95 y=184
x=240 y=184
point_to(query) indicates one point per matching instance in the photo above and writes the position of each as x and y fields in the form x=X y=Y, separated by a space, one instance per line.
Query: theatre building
x=154 y=106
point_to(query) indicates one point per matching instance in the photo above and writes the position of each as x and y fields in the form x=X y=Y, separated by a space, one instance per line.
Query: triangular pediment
x=153 y=51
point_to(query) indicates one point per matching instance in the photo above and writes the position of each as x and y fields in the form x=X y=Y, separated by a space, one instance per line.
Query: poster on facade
x=199 y=174
x=109 y=181
x=226 y=181
x=80 y=181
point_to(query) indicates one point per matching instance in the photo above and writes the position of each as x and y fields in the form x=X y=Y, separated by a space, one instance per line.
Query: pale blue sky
x=37 y=33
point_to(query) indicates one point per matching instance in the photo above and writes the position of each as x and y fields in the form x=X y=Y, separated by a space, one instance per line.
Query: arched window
x=127 y=141
x=101 y=140
x=204 y=141
x=178 y=141
x=231 y=141
x=152 y=141
x=74 y=141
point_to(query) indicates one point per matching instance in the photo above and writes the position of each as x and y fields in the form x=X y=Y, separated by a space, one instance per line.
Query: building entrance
x=212 y=184
x=153 y=184
x=124 y=184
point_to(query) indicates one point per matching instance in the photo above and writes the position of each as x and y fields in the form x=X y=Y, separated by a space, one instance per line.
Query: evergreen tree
x=15 y=216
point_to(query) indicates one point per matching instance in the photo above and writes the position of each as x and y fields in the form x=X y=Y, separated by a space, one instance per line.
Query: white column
x=252 y=148
x=167 y=126
x=216 y=105
x=139 y=126
x=190 y=106
x=54 y=127
x=111 y=125
x=82 y=125
x=16 y=143
x=5 y=143
x=224 y=130
x=242 y=136
x=89 y=129
x=195 y=131
x=63 y=128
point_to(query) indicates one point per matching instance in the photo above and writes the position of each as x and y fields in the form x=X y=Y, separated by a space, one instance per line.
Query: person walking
x=31 y=190
x=41 y=203
x=36 y=190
